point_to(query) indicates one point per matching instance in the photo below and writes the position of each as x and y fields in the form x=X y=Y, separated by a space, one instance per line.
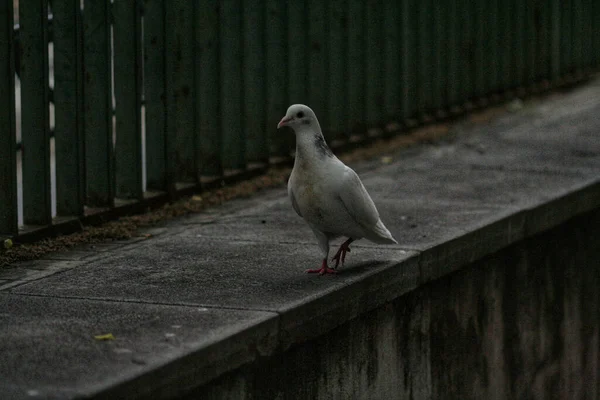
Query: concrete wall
x=522 y=323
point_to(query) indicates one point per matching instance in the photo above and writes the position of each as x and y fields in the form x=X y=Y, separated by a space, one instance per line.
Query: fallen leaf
x=108 y=336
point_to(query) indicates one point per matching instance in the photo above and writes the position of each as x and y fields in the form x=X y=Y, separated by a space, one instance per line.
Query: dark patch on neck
x=322 y=147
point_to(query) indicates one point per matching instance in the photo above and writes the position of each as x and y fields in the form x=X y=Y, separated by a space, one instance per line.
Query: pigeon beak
x=284 y=121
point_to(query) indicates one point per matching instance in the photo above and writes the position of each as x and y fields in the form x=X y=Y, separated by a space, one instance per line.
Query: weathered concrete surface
x=492 y=291
x=522 y=323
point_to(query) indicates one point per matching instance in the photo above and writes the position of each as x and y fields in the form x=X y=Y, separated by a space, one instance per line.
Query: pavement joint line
x=127 y=301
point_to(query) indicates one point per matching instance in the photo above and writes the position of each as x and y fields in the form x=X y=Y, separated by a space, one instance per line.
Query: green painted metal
x=424 y=56
x=577 y=32
x=35 y=123
x=505 y=45
x=8 y=162
x=68 y=107
x=374 y=60
x=127 y=28
x=232 y=94
x=337 y=69
x=595 y=34
x=439 y=54
x=479 y=69
x=518 y=53
x=566 y=44
x=298 y=52
x=356 y=66
x=554 y=39
x=180 y=89
x=99 y=158
x=452 y=51
x=154 y=94
x=409 y=47
x=257 y=139
x=318 y=61
x=218 y=76
x=490 y=47
x=280 y=142
x=208 y=150
x=530 y=42
x=392 y=62
x=465 y=51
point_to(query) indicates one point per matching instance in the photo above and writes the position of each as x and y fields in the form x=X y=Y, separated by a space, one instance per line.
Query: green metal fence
x=151 y=97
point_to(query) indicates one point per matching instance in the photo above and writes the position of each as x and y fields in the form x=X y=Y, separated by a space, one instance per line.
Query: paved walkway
x=217 y=289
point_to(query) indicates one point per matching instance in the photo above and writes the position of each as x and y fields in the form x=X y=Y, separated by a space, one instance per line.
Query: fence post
x=8 y=162
x=127 y=45
x=356 y=66
x=33 y=31
x=154 y=94
x=254 y=123
x=232 y=93
x=338 y=64
x=68 y=105
x=209 y=142
x=99 y=155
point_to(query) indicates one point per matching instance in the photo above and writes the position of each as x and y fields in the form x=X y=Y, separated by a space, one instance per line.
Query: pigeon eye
x=300 y=115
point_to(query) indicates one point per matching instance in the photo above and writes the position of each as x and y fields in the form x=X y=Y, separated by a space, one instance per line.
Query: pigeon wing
x=357 y=201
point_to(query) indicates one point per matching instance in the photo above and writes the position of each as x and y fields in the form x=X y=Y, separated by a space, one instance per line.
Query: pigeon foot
x=323 y=270
x=341 y=253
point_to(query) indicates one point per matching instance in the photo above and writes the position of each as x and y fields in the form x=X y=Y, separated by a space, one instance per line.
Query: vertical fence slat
x=356 y=66
x=465 y=50
x=337 y=69
x=128 y=85
x=505 y=45
x=555 y=39
x=317 y=31
x=577 y=40
x=453 y=52
x=232 y=131
x=409 y=25
x=596 y=33
x=99 y=165
x=298 y=51
x=154 y=93
x=425 y=55
x=587 y=35
x=518 y=56
x=374 y=55
x=35 y=113
x=478 y=43
x=8 y=172
x=566 y=46
x=254 y=85
x=180 y=88
x=276 y=78
x=439 y=56
x=208 y=119
x=490 y=48
x=542 y=26
x=68 y=106
x=530 y=43
x=393 y=82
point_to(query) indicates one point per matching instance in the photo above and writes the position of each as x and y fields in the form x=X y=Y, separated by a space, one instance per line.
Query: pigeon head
x=298 y=115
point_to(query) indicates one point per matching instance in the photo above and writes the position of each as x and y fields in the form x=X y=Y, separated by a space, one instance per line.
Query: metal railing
x=154 y=97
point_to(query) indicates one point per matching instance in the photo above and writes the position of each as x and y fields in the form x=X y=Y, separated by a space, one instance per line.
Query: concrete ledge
x=221 y=296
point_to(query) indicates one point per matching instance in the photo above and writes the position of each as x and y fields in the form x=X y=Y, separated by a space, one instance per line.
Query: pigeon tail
x=380 y=234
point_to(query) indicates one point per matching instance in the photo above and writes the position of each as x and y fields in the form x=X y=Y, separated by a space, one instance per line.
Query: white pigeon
x=328 y=194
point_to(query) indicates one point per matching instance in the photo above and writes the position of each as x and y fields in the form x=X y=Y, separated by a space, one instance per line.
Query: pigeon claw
x=341 y=253
x=323 y=270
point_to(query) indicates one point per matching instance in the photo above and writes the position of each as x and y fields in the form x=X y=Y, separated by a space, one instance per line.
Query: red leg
x=341 y=253
x=323 y=270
